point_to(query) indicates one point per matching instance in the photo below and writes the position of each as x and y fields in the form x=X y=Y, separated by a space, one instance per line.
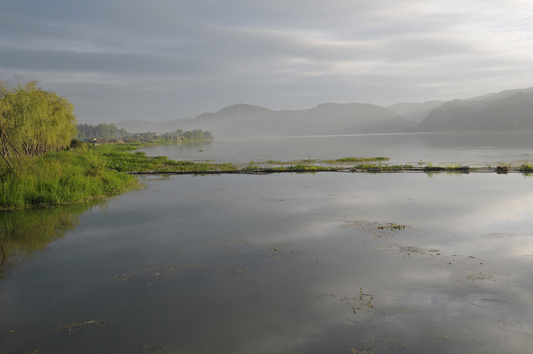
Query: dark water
x=466 y=148
x=283 y=263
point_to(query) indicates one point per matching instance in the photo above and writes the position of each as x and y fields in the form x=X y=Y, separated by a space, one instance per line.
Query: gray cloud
x=168 y=59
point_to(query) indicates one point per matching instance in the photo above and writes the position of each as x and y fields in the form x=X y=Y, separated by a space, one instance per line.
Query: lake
x=281 y=263
x=465 y=148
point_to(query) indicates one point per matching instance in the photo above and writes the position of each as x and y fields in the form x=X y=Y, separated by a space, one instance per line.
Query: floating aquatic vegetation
x=153 y=275
x=392 y=226
x=377 y=229
x=74 y=327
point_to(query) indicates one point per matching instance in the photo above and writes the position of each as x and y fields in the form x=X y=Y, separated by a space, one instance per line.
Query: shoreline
x=374 y=169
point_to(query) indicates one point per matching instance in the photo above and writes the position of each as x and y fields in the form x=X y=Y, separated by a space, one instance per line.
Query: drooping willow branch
x=33 y=122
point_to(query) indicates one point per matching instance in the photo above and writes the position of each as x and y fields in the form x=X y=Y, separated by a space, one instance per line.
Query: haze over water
x=465 y=148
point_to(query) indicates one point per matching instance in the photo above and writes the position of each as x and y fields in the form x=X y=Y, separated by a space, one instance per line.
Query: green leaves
x=33 y=122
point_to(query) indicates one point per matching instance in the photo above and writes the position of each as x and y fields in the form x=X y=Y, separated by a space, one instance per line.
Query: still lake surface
x=466 y=148
x=281 y=263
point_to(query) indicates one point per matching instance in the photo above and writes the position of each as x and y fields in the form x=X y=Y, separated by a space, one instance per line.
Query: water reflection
x=24 y=232
x=287 y=264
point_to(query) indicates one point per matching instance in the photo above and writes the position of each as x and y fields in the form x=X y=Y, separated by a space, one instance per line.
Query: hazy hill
x=415 y=111
x=139 y=126
x=506 y=110
x=488 y=98
x=243 y=120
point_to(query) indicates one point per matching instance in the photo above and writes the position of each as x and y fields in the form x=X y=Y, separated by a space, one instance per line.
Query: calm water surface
x=470 y=148
x=282 y=263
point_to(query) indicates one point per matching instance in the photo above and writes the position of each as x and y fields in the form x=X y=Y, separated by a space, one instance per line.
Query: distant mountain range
x=506 y=110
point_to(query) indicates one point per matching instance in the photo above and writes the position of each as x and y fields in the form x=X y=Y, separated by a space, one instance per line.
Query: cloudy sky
x=165 y=59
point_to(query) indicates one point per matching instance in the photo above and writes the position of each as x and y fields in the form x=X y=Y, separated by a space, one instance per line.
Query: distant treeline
x=110 y=131
x=33 y=122
x=101 y=131
x=196 y=134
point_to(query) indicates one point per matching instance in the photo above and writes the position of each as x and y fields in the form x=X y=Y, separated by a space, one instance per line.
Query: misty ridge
x=504 y=111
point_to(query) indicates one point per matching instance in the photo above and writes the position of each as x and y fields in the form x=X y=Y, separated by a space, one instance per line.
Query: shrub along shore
x=40 y=164
x=77 y=175
x=85 y=172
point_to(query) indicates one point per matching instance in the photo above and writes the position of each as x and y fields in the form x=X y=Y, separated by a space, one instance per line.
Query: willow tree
x=33 y=122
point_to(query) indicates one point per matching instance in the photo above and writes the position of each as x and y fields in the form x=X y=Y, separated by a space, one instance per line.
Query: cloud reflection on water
x=291 y=263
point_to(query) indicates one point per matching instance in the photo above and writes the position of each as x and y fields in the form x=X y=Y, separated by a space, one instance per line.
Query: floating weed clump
x=393 y=226
x=251 y=168
x=528 y=167
x=304 y=167
x=120 y=160
x=74 y=327
x=382 y=168
x=430 y=167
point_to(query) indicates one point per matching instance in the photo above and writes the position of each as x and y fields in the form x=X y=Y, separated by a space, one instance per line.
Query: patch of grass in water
x=528 y=167
x=362 y=159
x=393 y=226
x=451 y=167
x=300 y=167
x=381 y=167
x=251 y=167
x=118 y=159
x=342 y=160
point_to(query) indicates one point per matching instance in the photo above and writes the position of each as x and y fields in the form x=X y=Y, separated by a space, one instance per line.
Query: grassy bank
x=119 y=159
x=88 y=173
x=76 y=175
x=85 y=173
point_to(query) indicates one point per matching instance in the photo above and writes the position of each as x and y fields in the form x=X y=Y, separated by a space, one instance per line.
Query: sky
x=168 y=59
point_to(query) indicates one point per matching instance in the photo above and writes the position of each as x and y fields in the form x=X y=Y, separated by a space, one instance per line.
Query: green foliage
x=33 y=122
x=119 y=159
x=197 y=134
x=451 y=167
x=528 y=167
x=62 y=177
x=304 y=167
x=102 y=131
x=431 y=167
x=76 y=144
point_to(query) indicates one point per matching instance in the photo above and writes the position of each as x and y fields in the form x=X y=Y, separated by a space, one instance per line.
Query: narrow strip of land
x=354 y=169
